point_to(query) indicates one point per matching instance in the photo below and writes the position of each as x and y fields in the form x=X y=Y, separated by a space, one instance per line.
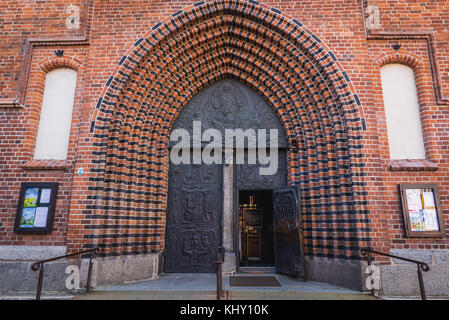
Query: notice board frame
x=51 y=205
x=403 y=187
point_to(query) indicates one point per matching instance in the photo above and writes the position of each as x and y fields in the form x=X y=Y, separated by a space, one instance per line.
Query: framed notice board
x=36 y=208
x=421 y=209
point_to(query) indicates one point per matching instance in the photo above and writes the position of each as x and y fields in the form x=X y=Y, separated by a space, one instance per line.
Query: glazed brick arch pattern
x=277 y=57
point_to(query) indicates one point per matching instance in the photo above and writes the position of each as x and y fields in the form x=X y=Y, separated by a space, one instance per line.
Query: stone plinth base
x=343 y=273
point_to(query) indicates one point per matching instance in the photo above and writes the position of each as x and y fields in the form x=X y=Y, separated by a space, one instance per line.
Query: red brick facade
x=139 y=62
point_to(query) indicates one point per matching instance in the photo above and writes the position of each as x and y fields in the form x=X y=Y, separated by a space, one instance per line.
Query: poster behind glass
x=421 y=209
x=36 y=208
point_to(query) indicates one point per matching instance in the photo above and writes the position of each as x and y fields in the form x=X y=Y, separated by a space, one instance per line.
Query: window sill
x=10 y=103
x=413 y=165
x=45 y=165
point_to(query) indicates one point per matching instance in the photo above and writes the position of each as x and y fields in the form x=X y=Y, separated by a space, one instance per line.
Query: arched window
x=56 y=115
x=402 y=112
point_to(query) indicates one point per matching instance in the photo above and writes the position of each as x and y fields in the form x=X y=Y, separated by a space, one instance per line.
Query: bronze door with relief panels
x=195 y=199
x=288 y=231
x=194 y=218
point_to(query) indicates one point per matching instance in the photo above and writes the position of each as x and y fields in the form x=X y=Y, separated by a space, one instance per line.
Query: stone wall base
x=401 y=278
x=15 y=268
x=122 y=269
x=17 y=276
x=343 y=273
x=403 y=281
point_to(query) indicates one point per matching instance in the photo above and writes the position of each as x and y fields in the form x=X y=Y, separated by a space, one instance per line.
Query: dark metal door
x=194 y=218
x=194 y=213
x=289 y=252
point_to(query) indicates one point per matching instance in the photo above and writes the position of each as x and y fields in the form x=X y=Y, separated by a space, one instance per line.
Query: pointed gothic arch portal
x=283 y=62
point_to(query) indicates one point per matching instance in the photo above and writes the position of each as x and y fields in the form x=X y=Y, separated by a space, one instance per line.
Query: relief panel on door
x=193 y=218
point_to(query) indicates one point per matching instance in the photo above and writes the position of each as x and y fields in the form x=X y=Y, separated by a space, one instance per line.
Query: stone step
x=148 y=295
x=31 y=295
x=227 y=295
x=257 y=270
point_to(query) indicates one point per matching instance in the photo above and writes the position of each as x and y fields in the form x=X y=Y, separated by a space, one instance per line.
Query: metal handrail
x=219 y=260
x=39 y=265
x=422 y=266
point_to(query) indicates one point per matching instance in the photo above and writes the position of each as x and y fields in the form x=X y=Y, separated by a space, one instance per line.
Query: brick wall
x=109 y=31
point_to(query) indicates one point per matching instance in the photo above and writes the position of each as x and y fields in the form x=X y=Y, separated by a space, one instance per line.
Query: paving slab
x=148 y=295
x=211 y=295
x=207 y=282
x=203 y=286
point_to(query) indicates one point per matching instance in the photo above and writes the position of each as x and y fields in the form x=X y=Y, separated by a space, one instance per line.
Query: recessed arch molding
x=281 y=60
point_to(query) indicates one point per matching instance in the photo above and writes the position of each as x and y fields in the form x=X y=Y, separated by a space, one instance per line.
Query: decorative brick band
x=56 y=62
x=409 y=59
x=276 y=56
